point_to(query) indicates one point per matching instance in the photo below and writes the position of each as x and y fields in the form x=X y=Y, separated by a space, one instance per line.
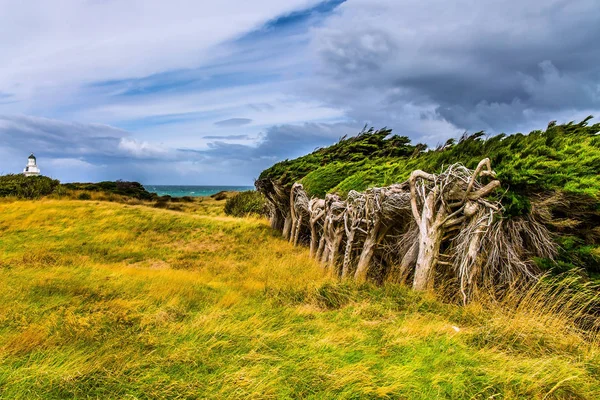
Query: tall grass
x=250 y=202
x=109 y=300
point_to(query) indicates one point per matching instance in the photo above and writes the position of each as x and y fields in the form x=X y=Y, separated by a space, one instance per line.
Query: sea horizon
x=194 y=190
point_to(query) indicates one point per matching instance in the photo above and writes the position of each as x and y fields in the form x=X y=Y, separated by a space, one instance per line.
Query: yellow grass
x=110 y=300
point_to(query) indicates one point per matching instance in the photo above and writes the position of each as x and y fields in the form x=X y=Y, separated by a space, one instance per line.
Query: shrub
x=123 y=188
x=246 y=203
x=222 y=195
x=27 y=187
x=61 y=191
x=84 y=196
x=162 y=202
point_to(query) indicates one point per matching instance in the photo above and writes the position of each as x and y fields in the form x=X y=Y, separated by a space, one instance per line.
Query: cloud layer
x=492 y=65
x=183 y=92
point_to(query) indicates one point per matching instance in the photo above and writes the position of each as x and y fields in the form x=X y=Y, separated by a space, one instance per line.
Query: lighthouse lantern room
x=31 y=169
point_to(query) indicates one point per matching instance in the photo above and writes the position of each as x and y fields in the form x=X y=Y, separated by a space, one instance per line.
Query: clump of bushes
x=84 y=196
x=168 y=202
x=183 y=199
x=26 y=187
x=246 y=203
x=123 y=188
x=222 y=195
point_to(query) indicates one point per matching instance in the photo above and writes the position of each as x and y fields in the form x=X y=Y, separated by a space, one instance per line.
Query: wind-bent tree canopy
x=547 y=218
x=458 y=235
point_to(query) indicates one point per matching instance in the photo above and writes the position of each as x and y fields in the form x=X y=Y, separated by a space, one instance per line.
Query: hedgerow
x=561 y=162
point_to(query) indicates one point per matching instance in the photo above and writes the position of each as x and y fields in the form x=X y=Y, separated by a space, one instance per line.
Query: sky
x=205 y=92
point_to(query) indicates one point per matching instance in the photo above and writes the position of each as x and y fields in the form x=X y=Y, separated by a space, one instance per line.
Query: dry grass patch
x=117 y=301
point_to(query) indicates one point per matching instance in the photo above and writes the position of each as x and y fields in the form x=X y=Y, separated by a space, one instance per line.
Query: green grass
x=108 y=300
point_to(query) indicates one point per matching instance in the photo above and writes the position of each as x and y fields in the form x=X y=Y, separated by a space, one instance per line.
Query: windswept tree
x=456 y=227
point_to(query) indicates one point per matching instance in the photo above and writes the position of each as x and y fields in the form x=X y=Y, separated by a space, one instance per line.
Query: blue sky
x=188 y=92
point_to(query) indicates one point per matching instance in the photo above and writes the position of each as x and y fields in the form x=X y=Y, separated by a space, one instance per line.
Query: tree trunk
x=314 y=240
x=335 y=247
x=364 y=262
x=430 y=240
x=348 y=253
x=287 y=226
x=275 y=220
x=400 y=274
x=298 y=228
x=429 y=249
x=470 y=260
x=321 y=247
x=293 y=230
x=293 y=216
x=323 y=239
x=325 y=254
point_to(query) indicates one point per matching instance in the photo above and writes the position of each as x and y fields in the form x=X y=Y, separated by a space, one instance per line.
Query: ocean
x=194 y=191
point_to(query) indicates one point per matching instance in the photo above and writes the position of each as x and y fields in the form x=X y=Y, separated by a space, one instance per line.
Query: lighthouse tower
x=31 y=169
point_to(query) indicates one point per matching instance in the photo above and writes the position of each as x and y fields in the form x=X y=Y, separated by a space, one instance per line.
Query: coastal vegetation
x=121 y=188
x=473 y=213
x=561 y=157
x=246 y=203
x=110 y=300
x=34 y=187
x=19 y=186
x=26 y=187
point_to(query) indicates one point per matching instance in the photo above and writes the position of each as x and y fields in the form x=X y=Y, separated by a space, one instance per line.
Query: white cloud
x=51 y=46
x=71 y=163
x=142 y=149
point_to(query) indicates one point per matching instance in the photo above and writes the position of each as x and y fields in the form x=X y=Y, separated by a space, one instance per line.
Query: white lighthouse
x=31 y=169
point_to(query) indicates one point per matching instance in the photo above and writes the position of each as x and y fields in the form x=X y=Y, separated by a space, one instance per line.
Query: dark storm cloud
x=479 y=65
x=234 y=122
x=93 y=143
x=276 y=144
x=58 y=138
x=285 y=141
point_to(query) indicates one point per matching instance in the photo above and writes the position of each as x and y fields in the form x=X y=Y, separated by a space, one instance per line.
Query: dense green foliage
x=321 y=180
x=246 y=203
x=348 y=155
x=32 y=187
x=563 y=159
x=123 y=188
x=26 y=187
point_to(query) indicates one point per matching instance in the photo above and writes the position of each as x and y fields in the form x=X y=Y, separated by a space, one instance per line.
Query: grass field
x=108 y=300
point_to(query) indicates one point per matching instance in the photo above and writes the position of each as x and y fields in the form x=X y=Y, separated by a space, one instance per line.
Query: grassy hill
x=111 y=300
